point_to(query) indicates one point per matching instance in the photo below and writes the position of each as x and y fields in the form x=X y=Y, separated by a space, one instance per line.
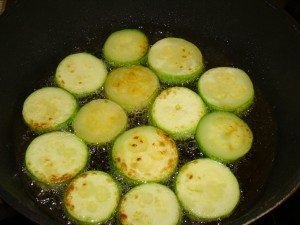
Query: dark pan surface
x=35 y=36
x=259 y=118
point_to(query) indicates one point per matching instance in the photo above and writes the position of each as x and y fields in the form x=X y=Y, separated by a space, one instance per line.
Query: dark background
x=285 y=214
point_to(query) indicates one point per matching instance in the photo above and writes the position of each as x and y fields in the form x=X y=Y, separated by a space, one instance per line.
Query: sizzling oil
x=251 y=171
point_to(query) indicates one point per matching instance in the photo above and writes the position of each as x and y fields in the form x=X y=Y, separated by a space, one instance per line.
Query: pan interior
x=252 y=170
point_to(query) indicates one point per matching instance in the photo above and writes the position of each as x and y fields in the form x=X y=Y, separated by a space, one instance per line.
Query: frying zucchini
x=207 y=190
x=226 y=89
x=81 y=74
x=175 y=60
x=132 y=87
x=100 y=121
x=92 y=198
x=126 y=47
x=56 y=157
x=49 y=109
x=177 y=111
x=144 y=154
x=149 y=204
x=223 y=136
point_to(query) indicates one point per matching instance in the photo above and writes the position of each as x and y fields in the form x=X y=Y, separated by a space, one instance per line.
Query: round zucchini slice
x=175 y=60
x=92 y=197
x=149 y=204
x=49 y=109
x=126 y=47
x=56 y=157
x=226 y=89
x=100 y=121
x=132 y=87
x=81 y=74
x=177 y=111
x=145 y=154
x=223 y=136
x=207 y=189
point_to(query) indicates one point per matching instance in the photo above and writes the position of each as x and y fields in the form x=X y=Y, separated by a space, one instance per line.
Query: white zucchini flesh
x=207 y=189
x=81 y=74
x=145 y=154
x=175 y=60
x=177 y=111
x=56 y=157
x=100 y=121
x=48 y=109
x=226 y=89
x=132 y=87
x=223 y=136
x=126 y=47
x=149 y=204
x=92 y=197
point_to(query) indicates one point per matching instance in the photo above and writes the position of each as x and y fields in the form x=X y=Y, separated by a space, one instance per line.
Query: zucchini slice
x=177 y=111
x=175 y=60
x=100 y=121
x=150 y=204
x=126 y=47
x=145 y=154
x=223 y=136
x=81 y=74
x=56 y=157
x=226 y=89
x=49 y=109
x=132 y=87
x=92 y=197
x=207 y=189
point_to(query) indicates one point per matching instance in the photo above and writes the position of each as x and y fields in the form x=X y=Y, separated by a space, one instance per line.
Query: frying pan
x=252 y=35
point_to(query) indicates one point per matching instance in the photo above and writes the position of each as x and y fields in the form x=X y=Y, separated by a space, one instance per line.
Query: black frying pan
x=252 y=35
